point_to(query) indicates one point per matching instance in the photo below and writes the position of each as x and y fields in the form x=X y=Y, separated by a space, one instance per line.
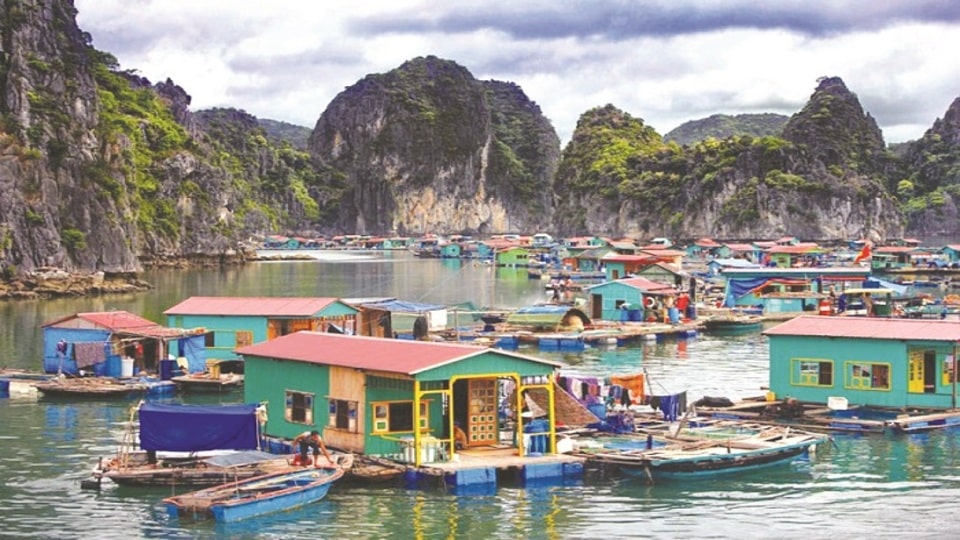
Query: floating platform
x=483 y=470
x=852 y=419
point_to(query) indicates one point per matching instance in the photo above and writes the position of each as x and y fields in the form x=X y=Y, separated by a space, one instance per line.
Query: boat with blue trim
x=256 y=496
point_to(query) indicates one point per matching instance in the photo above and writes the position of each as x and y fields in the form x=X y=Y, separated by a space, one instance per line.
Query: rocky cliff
x=102 y=171
x=428 y=148
x=824 y=179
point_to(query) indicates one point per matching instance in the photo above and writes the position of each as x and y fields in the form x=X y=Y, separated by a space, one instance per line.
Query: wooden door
x=482 y=423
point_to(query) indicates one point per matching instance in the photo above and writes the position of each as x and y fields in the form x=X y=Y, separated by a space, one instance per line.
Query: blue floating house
x=117 y=343
x=231 y=322
x=866 y=361
x=627 y=299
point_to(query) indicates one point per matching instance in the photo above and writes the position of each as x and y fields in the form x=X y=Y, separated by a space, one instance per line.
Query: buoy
x=650 y=302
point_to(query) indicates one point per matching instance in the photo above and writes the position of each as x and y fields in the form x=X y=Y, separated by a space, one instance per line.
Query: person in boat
x=311 y=439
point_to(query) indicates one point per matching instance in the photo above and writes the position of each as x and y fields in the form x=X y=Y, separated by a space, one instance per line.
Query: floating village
x=398 y=393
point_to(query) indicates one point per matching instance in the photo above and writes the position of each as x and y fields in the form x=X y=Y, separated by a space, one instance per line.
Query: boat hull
x=256 y=496
x=711 y=467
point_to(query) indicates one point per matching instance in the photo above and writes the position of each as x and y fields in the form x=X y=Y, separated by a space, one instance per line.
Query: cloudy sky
x=666 y=61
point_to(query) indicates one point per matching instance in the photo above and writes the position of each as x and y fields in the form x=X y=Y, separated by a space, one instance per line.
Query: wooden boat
x=256 y=496
x=701 y=458
x=374 y=470
x=733 y=323
x=208 y=382
x=188 y=444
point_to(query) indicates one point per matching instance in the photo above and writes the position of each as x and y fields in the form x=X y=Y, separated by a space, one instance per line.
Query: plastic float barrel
x=126 y=367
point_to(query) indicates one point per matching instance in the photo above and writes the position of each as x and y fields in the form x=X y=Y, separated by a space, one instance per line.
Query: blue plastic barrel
x=166 y=369
x=4 y=388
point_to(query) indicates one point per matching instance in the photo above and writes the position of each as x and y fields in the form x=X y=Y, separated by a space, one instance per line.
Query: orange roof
x=256 y=306
x=868 y=328
x=361 y=352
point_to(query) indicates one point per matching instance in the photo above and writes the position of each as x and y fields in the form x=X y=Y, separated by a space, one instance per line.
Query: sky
x=666 y=62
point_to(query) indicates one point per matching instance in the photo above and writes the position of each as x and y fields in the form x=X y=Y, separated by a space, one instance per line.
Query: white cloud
x=665 y=62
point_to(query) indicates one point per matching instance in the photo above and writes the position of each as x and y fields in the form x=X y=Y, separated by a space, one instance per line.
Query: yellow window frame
x=381 y=415
x=799 y=377
x=864 y=380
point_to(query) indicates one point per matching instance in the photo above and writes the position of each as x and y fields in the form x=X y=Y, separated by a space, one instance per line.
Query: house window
x=948 y=365
x=811 y=372
x=299 y=408
x=397 y=416
x=244 y=338
x=343 y=415
x=209 y=339
x=868 y=376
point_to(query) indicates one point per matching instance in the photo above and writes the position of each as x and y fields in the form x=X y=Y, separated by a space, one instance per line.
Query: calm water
x=876 y=486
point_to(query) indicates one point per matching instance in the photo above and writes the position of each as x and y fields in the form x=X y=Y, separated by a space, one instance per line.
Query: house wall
x=488 y=363
x=268 y=380
x=845 y=351
x=224 y=328
x=610 y=294
x=348 y=384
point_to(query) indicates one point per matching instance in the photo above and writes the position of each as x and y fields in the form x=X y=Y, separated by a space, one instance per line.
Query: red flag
x=865 y=254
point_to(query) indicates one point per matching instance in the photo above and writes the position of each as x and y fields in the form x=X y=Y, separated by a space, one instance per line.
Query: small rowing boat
x=256 y=496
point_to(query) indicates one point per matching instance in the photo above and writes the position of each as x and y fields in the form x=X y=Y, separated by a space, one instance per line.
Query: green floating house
x=231 y=322
x=396 y=398
x=867 y=361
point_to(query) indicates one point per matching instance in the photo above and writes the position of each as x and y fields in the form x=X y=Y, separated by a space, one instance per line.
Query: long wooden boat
x=701 y=458
x=256 y=496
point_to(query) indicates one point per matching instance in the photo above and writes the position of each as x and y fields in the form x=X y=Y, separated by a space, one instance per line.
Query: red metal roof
x=894 y=249
x=361 y=352
x=255 y=306
x=646 y=285
x=124 y=322
x=868 y=327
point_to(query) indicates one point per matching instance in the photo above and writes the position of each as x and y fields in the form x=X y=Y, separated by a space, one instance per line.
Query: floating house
x=117 y=344
x=899 y=363
x=513 y=256
x=620 y=266
x=628 y=299
x=394 y=398
x=778 y=290
x=233 y=322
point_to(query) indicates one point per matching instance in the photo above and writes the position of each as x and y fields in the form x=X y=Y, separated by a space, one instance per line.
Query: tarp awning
x=195 y=428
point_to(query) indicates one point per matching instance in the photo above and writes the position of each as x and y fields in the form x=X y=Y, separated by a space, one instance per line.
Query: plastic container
x=126 y=367
x=4 y=388
x=166 y=369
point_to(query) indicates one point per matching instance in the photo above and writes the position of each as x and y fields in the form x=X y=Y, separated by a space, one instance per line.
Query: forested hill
x=103 y=170
x=721 y=126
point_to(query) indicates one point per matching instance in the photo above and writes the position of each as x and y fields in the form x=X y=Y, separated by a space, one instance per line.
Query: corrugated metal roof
x=124 y=322
x=256 y=306
x=361 y=352
x=646 y=285
x=868 y=327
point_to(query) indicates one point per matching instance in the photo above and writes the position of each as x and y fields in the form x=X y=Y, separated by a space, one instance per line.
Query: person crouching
x=307 y=440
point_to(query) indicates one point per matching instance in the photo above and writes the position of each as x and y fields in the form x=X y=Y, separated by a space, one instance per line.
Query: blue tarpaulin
x=194 y=428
